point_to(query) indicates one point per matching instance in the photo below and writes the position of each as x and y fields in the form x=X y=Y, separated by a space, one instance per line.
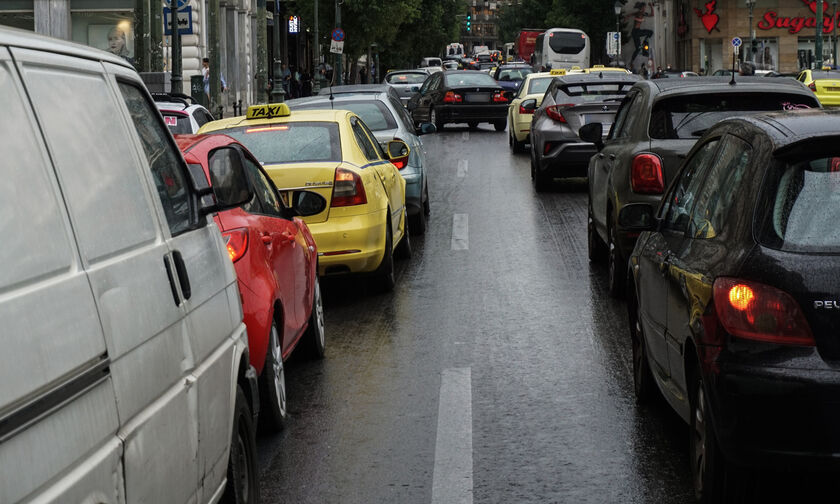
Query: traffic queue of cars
x=712 y=203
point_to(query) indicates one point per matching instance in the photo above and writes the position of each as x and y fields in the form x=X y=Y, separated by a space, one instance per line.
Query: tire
x=273 y=384
x=643 y=384
x=516 y=146
x=242 y=485
x=472 y=124
x=417 y=223
x=712 y=480
x=596 y=247
x=500 y=125
x=542 y=183
x=385 y=278
x=403 y=250
x=616 y=264
x=315 y=335
x=427 y=208
x=434 y=119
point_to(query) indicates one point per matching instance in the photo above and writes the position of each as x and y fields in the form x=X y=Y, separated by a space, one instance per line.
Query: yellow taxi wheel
x=385 y=278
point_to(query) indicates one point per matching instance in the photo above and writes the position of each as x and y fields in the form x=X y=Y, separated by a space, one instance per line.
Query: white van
x=561 y=48
x=124 y=372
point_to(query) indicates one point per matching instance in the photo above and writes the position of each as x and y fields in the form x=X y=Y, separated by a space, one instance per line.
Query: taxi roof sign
x=268 y=111
x=598 y=66
x=558 y=71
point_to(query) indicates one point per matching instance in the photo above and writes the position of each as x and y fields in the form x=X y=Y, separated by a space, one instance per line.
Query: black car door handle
x=612 y=157
x=183 y=278
x=600 y=156
x=168 y=266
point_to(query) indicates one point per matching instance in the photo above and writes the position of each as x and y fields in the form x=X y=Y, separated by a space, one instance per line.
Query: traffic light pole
x=339 y=72
x=819 y=42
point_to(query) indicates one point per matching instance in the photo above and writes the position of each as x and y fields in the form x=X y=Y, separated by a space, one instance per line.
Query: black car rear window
x=801 y=199
x=689 y=116
x=469 y=79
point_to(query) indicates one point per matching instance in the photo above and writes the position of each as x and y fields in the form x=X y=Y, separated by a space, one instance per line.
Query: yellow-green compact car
x=824 y=83
x=361 y=224
x=526 y=100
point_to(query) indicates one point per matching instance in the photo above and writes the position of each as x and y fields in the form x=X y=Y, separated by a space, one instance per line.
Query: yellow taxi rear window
x=292 y=142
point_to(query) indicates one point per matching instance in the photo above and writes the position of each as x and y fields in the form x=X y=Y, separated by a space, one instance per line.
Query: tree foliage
x=596 y=18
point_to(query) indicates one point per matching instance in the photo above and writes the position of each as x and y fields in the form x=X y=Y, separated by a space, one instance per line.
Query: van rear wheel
x=242 y=485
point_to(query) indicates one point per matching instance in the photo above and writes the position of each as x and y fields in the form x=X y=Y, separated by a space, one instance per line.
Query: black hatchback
x=734 y=297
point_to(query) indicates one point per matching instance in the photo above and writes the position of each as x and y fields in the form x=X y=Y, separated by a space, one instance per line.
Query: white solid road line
x=465 y=135
x=452 y=482
x=463 y=167
x=460 y=231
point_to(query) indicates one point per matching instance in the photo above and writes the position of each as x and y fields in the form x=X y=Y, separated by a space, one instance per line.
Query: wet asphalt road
x=499 y=364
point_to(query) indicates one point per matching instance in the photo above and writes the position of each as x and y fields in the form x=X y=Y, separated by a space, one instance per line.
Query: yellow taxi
x=527 y=99
x=361 y=224
x=602 y=68
x=824 y=83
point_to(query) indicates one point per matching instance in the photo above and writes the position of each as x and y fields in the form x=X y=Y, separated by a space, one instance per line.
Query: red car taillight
x=523 y=110
x=452 y=97
x=755 y=311
x=348 y=189
x=556 y=111
x=499 y=98
x=236 y=241
x=646 y=174
x=813 y=86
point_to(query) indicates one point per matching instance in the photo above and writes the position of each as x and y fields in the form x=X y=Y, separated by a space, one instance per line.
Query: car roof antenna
x=732 y=80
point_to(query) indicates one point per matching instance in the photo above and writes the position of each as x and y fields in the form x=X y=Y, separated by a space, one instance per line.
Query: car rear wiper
x=700 y=132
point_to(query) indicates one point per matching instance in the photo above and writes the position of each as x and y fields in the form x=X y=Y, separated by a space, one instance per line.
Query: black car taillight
x=452 y=97
x=754 y=311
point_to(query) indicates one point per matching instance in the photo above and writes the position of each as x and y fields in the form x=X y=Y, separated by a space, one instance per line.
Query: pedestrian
x=363 y=77
x=294 y=83
x=205 y=73
x=285 y=78
x=643 y=70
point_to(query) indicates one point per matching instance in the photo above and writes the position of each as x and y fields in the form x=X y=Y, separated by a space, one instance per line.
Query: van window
x=26 y=197
x=164 y=161
x=97 y=164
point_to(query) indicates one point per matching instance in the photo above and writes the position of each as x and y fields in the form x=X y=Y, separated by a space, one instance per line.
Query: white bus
x=561 y=48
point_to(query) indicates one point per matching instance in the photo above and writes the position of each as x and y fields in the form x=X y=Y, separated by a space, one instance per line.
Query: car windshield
x=507 y=74
x=406 y=78
x=538 y=85
x=689 y=116
x=469 y=79
x=567 y=42
x=373 y=112
x=291 y=142
x=802 y=199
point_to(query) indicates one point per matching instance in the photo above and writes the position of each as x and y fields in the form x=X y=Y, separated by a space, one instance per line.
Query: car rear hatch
x=313 y=177
x=828 y=87
x=477 y=95
x=600 y=112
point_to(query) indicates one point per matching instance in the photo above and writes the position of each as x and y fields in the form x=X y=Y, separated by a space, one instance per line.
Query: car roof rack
x=187 y=100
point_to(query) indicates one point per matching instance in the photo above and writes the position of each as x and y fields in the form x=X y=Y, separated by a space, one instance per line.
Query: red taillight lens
x=348 y=189
x=646 y=174
x=400 y=163
x=556 y=111
x=523 y=110
x=813 y=86
x=452 y=97
x=755 y=311
x=547 y=147
x=236 y=241
x=499 y=98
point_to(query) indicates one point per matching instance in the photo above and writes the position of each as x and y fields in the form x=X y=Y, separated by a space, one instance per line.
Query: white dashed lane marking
x=460 y=231
x=452 y=482
x=463 y=167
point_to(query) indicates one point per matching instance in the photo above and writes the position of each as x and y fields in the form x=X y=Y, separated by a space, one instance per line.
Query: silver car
x=406 y=82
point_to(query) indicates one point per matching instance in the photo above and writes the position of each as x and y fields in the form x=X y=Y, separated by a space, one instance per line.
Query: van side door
x=203 y=282
x=58 y=414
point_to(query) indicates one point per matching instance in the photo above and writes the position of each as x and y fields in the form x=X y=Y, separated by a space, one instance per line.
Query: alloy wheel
x=279 y=371
x=700 y=438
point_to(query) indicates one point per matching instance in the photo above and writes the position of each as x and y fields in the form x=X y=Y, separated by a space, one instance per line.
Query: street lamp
x=617 y=8
x=751 y=4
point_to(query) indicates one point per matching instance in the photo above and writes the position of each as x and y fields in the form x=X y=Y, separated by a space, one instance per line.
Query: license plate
x=477 y=97
x=833 y=89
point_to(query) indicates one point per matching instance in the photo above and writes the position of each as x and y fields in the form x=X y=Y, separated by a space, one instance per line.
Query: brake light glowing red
x=759 y=312
x=646 y=174
x=499 y=98
x=236 y=241
x=348 y=189
x=266 y=128
x=452 y=97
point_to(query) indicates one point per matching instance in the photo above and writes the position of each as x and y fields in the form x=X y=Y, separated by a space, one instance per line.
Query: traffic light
x=469 y=22
x=754 y=44
x=646 y=49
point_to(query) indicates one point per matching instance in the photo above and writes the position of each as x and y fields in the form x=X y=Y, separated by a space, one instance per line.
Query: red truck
x=525 y=41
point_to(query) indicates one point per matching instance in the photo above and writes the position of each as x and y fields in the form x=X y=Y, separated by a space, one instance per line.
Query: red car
x=276 y=263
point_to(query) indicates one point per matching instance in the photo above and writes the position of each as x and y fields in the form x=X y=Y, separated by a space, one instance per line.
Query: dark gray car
x=570 y=102
x=656 y=125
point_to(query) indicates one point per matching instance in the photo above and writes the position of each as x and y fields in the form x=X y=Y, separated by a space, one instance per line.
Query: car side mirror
x=426 y=128
x=530 y=105
x=306 y=203
x=398 y=153
x=592 y=133
x=229 y=182
x=637 y=217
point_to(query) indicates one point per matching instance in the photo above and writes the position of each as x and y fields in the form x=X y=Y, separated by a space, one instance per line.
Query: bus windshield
x=567 y=42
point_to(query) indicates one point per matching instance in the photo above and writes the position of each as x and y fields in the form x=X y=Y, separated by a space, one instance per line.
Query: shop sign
x=708 y=16
x=771 y=20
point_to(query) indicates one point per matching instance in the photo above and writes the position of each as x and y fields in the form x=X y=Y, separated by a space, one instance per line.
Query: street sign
x=613 y=43
x=185 y=25
x=736 y=45
x=337 y=35
x=181 y=4
x=337 y=47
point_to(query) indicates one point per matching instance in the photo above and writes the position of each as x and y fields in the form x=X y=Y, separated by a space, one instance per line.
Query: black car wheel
x=500 y=125
x=242 y=485
x=616 y=264
x=643 y=384
x=596 y=247
x=417 y=223
x=515 y=145
x=427 y=208
x=403 y=250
